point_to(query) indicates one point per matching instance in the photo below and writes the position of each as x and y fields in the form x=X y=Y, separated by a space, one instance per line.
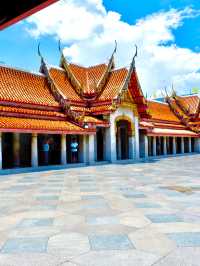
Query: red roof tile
x=23 y=87
x=88 y=77
x=161 y=111
x=60 y=79
x=114 y=84
x=25 y=124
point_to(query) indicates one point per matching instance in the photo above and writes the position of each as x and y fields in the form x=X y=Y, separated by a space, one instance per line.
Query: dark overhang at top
x=13 y=11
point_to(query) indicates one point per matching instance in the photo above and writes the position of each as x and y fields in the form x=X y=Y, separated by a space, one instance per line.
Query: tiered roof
x=72 y=99
x=170 y=119
x=65 y=98
x=187 y=109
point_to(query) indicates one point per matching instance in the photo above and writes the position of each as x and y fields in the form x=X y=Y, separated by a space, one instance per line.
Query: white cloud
x=89 y=32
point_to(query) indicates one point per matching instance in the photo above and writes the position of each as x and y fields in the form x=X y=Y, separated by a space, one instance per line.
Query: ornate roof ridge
x=156 y=101
x=87 y=67
x=55 y=67
x=118 y=69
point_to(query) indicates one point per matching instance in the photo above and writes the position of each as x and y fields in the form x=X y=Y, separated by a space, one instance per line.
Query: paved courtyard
x=137 y=214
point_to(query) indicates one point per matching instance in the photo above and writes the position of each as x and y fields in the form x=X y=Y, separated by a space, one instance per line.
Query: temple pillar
x=131 y=147
x=146 y=147
x=83 y=149
x=164 y=145
x=137 y=141
x=34 y=150
x=111 y=151
x=154 y=146
x=16 y=149
x=197 y=144
x=63 y=149
x=174 y=145
x=182 y=145
x=91 y=149
x=1 y=150
x=189 y=145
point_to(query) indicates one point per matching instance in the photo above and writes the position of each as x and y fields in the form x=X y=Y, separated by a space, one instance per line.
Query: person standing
x=46 y=152
x=74 y=150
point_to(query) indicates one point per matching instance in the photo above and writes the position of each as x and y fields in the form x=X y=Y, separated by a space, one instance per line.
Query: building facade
x=75 y=114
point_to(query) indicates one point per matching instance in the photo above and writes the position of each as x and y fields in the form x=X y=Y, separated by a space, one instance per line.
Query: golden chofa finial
x=115 y=47
x=136 y=52
x=59 y=46
x=39 y=54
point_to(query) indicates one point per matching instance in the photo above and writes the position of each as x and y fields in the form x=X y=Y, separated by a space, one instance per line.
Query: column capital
x=34 y=135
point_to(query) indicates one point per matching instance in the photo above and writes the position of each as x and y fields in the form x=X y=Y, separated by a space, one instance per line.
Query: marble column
x=16 y=149
x=174 y=145
x=111 y=151
x=34 y=150
x=1 y=150
x=164 y=145
x=182 y=145
x=146 y=147
x=63 y=149
x=131 y=142
x=137 y=142
x=189 y=144
x=83 y=149
x=91 y=149
x=154 y=146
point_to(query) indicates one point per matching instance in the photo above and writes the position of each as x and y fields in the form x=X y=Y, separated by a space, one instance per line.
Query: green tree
x=195 y=90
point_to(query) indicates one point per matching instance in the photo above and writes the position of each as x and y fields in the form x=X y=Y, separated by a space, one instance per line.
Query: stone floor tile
x=71 y=244
x=94 y=220
x=110 y=242
x=164 y=218
x=45 y=197
x=25 y=245
x=119 y=258
x=152 y=241
x=188 y=256
x=35 y=222
x=186 y=239
x=147 y=205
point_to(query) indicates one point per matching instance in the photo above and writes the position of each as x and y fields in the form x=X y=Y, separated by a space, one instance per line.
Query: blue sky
x=166 y=31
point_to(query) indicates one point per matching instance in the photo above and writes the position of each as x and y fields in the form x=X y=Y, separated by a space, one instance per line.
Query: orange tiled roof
x=101 y=108
x=60 y=79
x=29 y=125
x=88 y=77
x=23 y=87
x=161 y=111
x=91 y=119
x=10 y=109
x=115 y=82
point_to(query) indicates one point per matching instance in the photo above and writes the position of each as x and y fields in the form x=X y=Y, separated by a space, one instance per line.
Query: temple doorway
x=100 y=143
x=122 y=140
x=7 y=150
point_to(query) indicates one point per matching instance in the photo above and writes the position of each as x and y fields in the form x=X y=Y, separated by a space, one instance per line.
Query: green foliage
x=195 y=90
